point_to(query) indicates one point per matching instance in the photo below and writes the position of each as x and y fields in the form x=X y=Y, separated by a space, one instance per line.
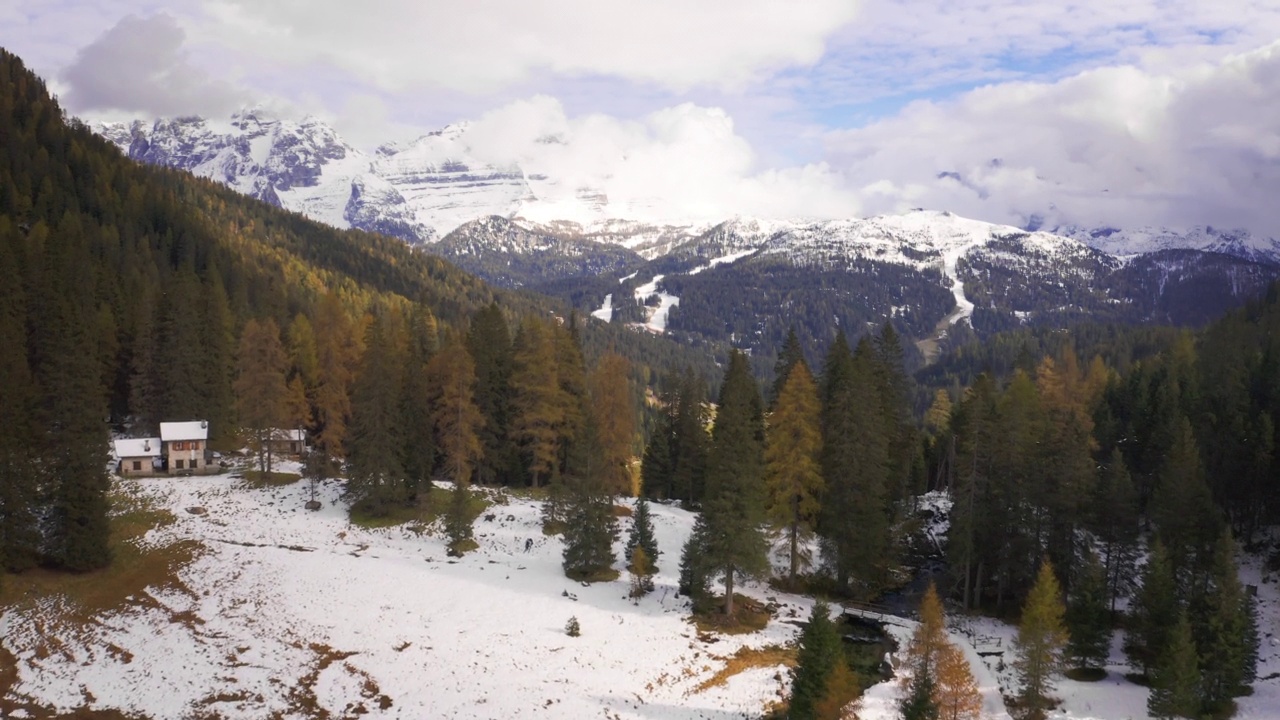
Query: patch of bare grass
x=749 y=659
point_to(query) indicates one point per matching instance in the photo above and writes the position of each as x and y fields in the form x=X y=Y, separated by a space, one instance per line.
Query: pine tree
x=956 y=693
x=19 y=489
x=615 y=415
x=695 y=574
x=1040 y=641
x=854 y=525
x=641 y=535
x=538 y=406
x=457 y=521
x=456 y=422
x=818 y=654
x=1088 y=618
x=1154 y=610
x=1221 y=631
x=734 y=505
x=641 y=572
x=793 y=477
x=1183 y=508
x=841 y=692
x=1116 y=524
x=262 y=391
x=455 y=418
x=337 y=359
x=74 y=447
x=791 y=355
x=1175 y=681
x=921 y=660
x=489 y=341
x=920 y=703
x=376 y=484
x=590 y=526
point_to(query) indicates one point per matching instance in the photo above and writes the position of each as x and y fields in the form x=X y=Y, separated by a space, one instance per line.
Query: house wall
x=184 y=455
x=144 y=466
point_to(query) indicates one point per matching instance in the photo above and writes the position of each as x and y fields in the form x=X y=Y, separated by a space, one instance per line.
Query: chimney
x=204 y=424
x=146 y=446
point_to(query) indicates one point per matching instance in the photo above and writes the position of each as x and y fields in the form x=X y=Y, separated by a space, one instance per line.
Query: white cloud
x=901 y=47
x=140 y=65
x=679 y=163
x=1118 y=146
x=483 y=45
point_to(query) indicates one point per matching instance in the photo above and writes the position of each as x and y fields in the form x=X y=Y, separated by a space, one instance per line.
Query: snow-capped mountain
x=1143 y=240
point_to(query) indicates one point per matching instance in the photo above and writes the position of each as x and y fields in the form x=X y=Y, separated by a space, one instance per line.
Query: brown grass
x=749 y=659
x=260 y=480
x=622 y=511
x=87 y=596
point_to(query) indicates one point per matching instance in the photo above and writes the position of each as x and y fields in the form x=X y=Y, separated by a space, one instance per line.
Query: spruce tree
x=734 y=505
x=1042 y=635
x=1183 y=508
x=1088 y=618
x=1116 y=524
x=695 y=574
x=791 y=355
x=19 y=477
x=1154 y=610
x=818 y=654
x=1175 y=680
x=261 y=387
x=793 y=476
x=457 y=521
x=418 y=455
x=854 y=524
x=1221 y=631
x=641 y=535
x=74 y=448
x=376 y=482
x=489 y=341
x=590 y=526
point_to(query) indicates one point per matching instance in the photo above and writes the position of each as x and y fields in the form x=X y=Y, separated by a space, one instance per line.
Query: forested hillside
x=128 y=294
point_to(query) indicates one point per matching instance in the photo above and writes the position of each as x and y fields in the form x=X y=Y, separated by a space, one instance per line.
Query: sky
x=1119 y=113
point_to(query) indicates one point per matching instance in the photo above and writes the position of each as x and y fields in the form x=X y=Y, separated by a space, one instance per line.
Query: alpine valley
x=743 y=280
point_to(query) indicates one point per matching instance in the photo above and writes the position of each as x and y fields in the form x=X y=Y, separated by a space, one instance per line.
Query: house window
x=195 y=464
x=179 y=445
x=137 y=464
x=178 y=464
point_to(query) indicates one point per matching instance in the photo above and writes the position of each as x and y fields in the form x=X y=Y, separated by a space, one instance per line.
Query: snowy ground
x=291 y=610
x=288 y=613
x=657 y=316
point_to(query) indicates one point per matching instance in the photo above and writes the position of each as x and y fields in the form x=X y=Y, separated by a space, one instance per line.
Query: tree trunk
x=795 y=540
x=728 y=592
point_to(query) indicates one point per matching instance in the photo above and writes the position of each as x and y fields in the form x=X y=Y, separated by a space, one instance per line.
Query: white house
x=184 y=445
x=285 y=441
x=138 y=456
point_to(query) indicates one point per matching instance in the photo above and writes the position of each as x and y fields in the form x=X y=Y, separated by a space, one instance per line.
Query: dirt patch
x=302 y=696
x=260 y=480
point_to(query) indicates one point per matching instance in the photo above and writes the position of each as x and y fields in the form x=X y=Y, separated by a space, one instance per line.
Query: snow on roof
x=191 y=430
x=291 y=435
x=137 y=447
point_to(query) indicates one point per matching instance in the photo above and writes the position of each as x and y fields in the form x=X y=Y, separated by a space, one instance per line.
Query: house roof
x=287 y=434
x=137 y=447
x=191 y=430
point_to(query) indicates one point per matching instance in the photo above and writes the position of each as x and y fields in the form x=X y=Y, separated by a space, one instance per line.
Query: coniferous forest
x=1090 y=469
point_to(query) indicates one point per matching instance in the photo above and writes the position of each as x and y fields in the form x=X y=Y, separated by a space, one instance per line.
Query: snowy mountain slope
x=1144 y=240
x=505 y=253
x=303 y=166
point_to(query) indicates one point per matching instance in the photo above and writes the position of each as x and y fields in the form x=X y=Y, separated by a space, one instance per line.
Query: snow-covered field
x=289 y=613
x=290 y=610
